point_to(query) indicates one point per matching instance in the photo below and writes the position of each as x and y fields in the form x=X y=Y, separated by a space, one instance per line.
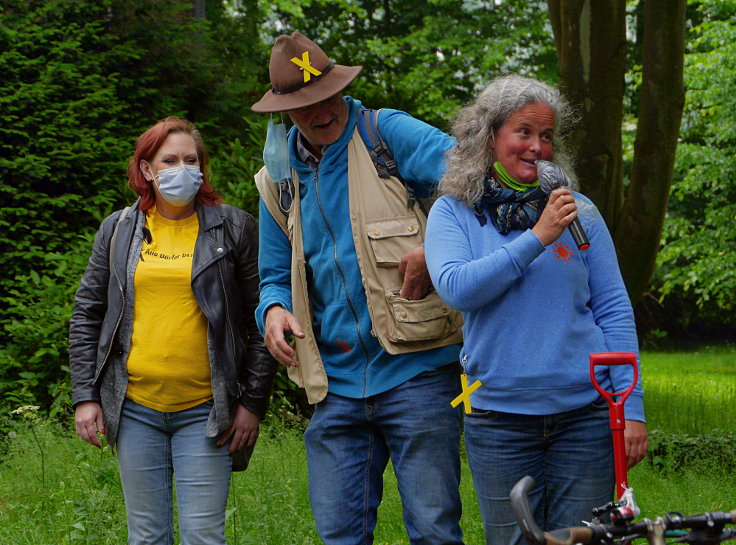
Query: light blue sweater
x=533 y=314
x=355 y=363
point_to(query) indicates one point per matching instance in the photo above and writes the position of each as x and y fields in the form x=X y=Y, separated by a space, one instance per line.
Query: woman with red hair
x=165 y=355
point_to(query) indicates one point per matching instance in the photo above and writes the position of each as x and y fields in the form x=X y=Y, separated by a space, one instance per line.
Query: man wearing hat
x=347 y=304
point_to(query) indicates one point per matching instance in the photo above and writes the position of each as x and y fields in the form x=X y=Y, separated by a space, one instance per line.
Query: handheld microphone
x=551 y=176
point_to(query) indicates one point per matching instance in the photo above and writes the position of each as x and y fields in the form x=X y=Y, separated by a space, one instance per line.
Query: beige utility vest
x=384 y=229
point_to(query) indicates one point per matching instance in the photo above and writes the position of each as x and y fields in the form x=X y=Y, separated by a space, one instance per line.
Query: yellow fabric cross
x=303 y=63
x=464 y=397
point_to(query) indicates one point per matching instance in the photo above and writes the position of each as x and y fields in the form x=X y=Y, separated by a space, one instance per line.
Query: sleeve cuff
x=634 y=408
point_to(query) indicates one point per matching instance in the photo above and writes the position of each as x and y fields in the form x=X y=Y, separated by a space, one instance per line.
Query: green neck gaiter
x=509 y=181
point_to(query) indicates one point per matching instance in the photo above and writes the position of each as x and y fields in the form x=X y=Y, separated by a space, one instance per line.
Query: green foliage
x=60 y=156
x=696 y=277
x=56 y=87
x=692 y=490
x=33 y=361
x=289 y=404
x=673 y=452
x=428 y=58
x=71 y=490
x=234 y=166
x=82 y=503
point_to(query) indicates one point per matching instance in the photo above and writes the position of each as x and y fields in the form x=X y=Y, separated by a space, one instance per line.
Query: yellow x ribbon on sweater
x=464 y=397
x=306 y=67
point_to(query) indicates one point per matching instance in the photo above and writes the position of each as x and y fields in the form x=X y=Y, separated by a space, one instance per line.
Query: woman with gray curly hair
x=534 y=307
x=477 y=125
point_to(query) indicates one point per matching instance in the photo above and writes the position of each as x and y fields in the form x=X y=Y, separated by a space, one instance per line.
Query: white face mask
x=179 y=185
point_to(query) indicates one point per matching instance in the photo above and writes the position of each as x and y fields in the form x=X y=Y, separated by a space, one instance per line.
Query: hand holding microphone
x=551 y=176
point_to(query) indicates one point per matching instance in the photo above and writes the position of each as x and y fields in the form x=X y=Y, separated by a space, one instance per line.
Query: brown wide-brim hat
x=302 y=75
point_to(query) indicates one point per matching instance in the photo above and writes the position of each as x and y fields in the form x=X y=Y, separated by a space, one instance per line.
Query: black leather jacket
x=225 y=284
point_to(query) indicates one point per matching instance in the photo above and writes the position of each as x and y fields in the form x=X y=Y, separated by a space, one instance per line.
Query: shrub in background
x=672 y=452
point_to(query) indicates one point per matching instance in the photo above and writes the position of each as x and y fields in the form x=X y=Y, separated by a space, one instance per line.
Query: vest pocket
x=418 y=320
x=391 y=239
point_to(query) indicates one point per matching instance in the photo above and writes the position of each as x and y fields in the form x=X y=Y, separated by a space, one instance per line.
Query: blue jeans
x=152 y=446
x=350 y=441
x=569 y=455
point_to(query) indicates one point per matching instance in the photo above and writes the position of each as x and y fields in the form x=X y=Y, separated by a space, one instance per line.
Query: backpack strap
x=380 y=153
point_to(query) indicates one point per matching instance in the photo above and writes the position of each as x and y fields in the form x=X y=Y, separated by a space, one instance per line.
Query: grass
x=75 y=496
x=691 y=392
x=274 y=488
x=693 y=490
x=70 y=495
x=56 y=489
x=82 y=501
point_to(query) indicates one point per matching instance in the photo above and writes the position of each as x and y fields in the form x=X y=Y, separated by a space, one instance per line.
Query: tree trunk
x=590 y=36
x=662 y=97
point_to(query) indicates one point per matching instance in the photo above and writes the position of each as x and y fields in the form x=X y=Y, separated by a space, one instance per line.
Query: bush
x=33 y=363
x=235 y=164
x=673 y=452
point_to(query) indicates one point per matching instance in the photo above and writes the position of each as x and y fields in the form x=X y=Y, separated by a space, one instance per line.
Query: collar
x=304 y=155
x=208 y=216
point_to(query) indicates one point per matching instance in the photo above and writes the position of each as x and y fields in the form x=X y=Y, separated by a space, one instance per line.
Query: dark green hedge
x=672 y=452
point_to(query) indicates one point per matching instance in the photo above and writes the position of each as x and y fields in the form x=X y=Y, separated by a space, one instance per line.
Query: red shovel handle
x=613 y=358
x=616 y=409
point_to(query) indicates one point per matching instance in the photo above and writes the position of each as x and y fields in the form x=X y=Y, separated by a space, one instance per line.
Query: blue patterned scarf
x=509 y=209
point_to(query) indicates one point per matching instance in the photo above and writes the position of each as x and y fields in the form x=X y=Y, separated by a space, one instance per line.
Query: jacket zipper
x=344 y=282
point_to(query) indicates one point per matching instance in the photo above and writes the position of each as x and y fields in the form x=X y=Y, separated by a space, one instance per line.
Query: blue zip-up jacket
x=533 y=314
x=354 y=361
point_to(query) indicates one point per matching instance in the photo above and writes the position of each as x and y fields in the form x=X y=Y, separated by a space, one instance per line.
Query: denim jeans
x=350 y=441
x=569 y=455
x=152 y=446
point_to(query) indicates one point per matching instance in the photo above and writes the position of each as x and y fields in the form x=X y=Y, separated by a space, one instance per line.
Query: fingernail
x=102 y=432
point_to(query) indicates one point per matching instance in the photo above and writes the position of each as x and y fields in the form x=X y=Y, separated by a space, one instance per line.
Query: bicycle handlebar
x=569 y=536
x=519 y=497
x=605 y=533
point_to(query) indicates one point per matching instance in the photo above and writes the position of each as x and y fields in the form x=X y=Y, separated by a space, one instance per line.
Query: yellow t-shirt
x=168 y=365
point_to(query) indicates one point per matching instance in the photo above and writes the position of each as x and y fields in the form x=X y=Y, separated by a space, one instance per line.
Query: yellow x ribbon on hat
x=464 y=397
x=303 y=63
